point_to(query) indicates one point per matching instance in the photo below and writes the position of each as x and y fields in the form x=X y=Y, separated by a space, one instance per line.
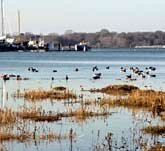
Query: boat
x=82 y=46
x=6 y=44
x=10 y=44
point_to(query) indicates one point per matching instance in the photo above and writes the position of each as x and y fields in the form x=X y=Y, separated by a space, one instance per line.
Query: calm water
x=66 y=63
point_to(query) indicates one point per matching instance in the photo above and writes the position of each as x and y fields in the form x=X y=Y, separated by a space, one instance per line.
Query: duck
x=54 y=70
x=152 y=68
x=98 y=74
x=67 y=78
x=108 y=67
x=95 y=68
x=6 y=77
x=129 y=76
x=123 y=69
x=152 y=75
x=95 y=77
x=76 y=69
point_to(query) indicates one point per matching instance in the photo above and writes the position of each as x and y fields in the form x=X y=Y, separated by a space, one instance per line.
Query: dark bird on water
x=67 y=78
x=129 y=76
x=95 y=68
x=153 y=75
x=76 y=69
x=96 y=77
x=123 y=69
x=108 y=67
x=54 y=70
x=98 y=74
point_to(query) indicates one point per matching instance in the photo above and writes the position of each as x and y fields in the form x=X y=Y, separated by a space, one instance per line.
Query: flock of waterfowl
x=7 y=77
x=131 y=73
x=137 y=72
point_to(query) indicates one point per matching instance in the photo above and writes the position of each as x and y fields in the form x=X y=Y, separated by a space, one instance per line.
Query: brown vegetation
x=155 y=130
x=162 y=115
x=116 y=89
x=51 y=136
x=39 y=94
x=157 y=148
x=154 y=100
x=10 y=136
x=60 y=88
x=54 y=136
x=82 y=114
x=38 y=115
x=7 y=116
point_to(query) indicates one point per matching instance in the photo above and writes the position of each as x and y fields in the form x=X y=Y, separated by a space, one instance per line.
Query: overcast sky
x=47 y=16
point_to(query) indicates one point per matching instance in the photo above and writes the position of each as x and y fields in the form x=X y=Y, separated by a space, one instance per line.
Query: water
x=66 y=63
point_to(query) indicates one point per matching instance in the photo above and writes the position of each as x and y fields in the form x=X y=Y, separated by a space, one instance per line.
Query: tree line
x=103 y=38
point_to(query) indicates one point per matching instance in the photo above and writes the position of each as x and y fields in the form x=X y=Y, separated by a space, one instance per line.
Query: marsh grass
x=39 y=94
x=84 y=113
x=155 y=130
x=157 y=148
x=38 y=115
x=162 y=115
x=51 y=136
x=6 y=136
x=154 y=100
x=116 y=89
x=26 y=136
x=7 y=116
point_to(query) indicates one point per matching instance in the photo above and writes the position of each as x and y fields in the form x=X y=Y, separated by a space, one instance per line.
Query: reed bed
x=83 y=113
x=38 y=115
x=7 y=116
x=51 y=136
x=157 y=148
x=6 y=136
x=155 y=130
x=116 y=89
x=26 y=136
x=154 y=100
x=162 y=115
x=40 y=94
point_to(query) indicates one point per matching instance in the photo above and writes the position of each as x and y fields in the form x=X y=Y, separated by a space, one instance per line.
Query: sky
x=57 y=16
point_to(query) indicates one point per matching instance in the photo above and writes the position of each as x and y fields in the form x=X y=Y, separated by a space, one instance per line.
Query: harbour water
x=124 y=123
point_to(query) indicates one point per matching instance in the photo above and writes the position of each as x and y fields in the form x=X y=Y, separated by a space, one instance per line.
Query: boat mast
x=2 y=17
x=19 y=22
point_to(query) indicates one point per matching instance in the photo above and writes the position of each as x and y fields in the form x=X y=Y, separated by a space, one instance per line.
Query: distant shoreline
x=139 y=48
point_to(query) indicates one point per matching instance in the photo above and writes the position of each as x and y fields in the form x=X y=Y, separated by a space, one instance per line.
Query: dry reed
x=38 y=115
x=116 y=89
x=157 y=148
x=4 y=136
x=7 y=116
x=39 y=94
x=54 y=136
x=154 y=100
x=155 y=130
